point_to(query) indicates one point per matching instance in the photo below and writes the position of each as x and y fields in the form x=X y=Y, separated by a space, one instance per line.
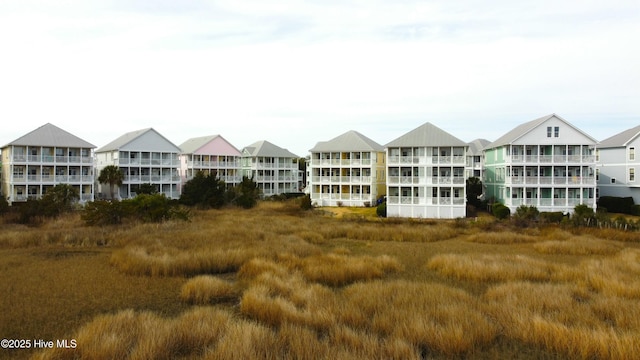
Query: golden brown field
x=275 y=282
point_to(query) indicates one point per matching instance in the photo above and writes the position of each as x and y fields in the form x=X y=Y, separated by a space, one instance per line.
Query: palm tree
x=111 y=175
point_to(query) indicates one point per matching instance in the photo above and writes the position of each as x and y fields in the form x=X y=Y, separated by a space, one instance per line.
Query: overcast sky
x=298 y=72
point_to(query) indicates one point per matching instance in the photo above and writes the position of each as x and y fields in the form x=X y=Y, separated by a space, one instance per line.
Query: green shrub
x=525 y=215
x=305 y=202
x=381 y=210
x=554 y=217
x=500 y=211
x=103 y=212
x=616 y=204
x=583 y=215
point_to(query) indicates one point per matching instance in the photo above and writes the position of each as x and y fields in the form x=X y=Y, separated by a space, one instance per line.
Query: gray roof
x=127 y=138
x=349 y=141
x=476 y=146
x=51 y=135
x=525 y=128
x=265 y=148
x=426 y=135
x=191 y=146
x=620 y=139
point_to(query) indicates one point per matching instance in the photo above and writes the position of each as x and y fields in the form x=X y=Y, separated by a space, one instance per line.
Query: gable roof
x=349 y=141
x=51 y=135
x=620 y=139
x=191 y=146
x=127 y=138
x=476 y=146
x=525 y=128
x=265 y=148
x=426 y=134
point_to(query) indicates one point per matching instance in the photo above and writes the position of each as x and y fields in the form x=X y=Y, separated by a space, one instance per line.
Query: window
x=556 y=131
x=613 y=180
x=597 y=154
x=632 y=154
x=548 y=131
x=632 y=174
x=597 y=174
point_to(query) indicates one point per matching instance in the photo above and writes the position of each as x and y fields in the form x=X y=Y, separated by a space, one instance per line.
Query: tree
x=204 y=191
x=525 y=215
x=113 y=176
x=147 y=189
x=474 y=191
x=61 y=197
x=247 y=193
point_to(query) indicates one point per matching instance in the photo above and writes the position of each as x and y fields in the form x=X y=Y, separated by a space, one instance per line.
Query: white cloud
x=310 y=70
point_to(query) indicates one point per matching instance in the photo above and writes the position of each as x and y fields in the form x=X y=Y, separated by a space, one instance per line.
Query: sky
x=298 y=72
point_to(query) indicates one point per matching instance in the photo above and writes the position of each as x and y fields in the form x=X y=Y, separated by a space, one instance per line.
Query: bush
x=525 y=215
x=204 y=191
x=583 y=215
x=554 y=217
x=616 y=204
x=381 y=210
x=500 y=211
x=247 y=193
x=103 y=212
x=4 y=205
x=305 y=202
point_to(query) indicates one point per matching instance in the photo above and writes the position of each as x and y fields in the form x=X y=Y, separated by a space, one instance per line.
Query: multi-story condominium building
x=616 y=165
x=211 y=155
x=547 y=163
x=274 y=169
x=347 y=170
x=475 y=158
x=145 y=157
x=426 y=174
x=44 y=158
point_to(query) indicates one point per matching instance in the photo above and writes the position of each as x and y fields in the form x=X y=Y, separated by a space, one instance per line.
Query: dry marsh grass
x=489 y=267
x=310 y=286
x=432 y=317
x=506 y=237
x=580 y=245
x=207 y=289
x=565 y=318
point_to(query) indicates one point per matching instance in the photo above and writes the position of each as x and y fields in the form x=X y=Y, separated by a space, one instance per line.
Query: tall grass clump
x=206 y=289
x=430 y=316
x=581 y=245
x=618 y=275
x=489 y=267
x=505 y=237
x=561 y=318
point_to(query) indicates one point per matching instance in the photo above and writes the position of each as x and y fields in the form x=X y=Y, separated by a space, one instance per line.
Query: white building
x=347 y=170
x=145 y=157
x=617 y=163
x=44 y=158
x=547 y=163
x=426 y=174
x=274 y=169
x=211 y=155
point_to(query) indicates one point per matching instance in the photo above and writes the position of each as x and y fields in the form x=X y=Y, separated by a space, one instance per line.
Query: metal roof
x=620 y=139
x=426 y=134
x=265 y=148
x=349 y=141
x=476 y=146
x=525 y=128
x=51 y=135
x=191 y=146
x=127 y=138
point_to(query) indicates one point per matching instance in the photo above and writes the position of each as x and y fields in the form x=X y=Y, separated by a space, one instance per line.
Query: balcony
x=548 y=180
x=547 y=159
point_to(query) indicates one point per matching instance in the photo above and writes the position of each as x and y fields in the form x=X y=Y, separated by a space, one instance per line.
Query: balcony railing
x=550 y=159
x=546 y=180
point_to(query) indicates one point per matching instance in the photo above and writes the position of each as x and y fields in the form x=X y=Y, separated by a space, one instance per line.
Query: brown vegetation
x=275 y=282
